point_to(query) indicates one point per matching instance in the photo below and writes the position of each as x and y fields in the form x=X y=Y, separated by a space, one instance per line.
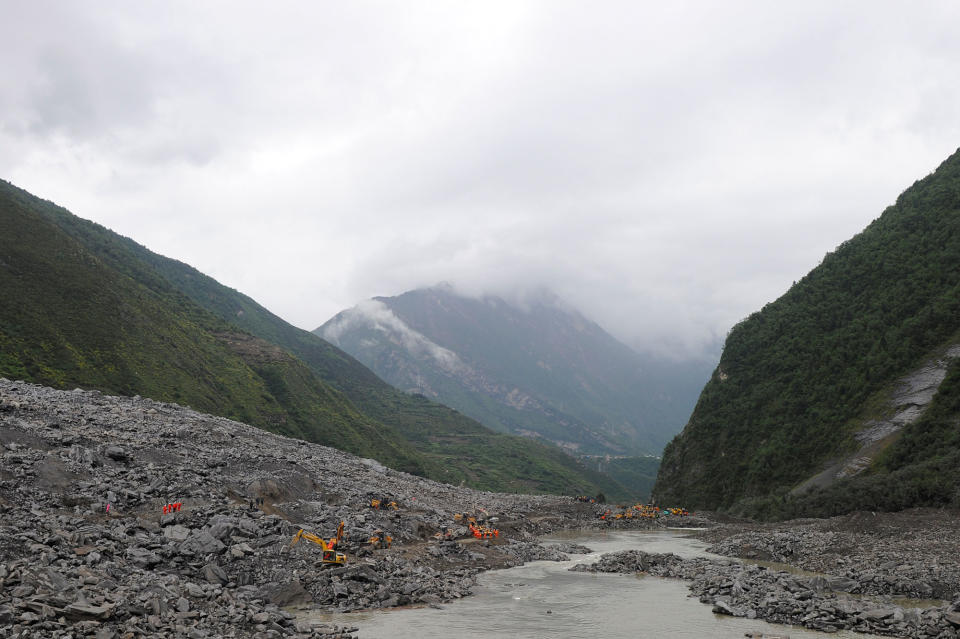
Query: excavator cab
x=333 y=557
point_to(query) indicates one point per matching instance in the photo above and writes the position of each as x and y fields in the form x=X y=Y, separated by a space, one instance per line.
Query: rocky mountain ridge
x=535 y=367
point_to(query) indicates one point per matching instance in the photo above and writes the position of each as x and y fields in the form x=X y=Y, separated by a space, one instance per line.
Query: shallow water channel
x=543 y=599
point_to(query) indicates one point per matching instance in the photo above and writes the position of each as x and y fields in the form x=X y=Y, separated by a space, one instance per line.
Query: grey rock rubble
x=87 y=551
x=819 y=602
x=908 y=554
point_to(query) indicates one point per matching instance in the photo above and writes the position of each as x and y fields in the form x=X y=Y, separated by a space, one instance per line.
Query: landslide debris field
x=222 y=566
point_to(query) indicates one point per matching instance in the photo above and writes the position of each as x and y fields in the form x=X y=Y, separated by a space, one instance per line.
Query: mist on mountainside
x=530 y=364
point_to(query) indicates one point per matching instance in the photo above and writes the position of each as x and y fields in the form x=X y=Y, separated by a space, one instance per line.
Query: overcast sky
x=666 y=167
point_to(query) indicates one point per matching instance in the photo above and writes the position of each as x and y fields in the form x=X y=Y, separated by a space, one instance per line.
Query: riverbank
x=912 y=553
x=545 y=599
x=872 y=573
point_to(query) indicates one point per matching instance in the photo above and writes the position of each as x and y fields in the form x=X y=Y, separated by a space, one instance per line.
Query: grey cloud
x=666 y=168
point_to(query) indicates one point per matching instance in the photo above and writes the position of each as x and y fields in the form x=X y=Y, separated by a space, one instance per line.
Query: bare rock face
x=910 y=398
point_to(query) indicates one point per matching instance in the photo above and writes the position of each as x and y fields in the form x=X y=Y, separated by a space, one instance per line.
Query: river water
x=542 y=599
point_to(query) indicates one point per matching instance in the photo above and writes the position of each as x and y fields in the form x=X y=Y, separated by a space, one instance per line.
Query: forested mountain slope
x=799 y=379
x=79 y=310
x=83 y=306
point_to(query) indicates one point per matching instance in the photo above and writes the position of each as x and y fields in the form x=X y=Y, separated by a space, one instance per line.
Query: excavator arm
x=329 y=555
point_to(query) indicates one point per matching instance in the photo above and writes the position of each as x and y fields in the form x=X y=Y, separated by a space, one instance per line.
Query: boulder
x=201 y=543
x=952 y=617
x=176 y=533
x=214 y=574
x=290 y=593
x=142 y=557
x=878 y=614
x=82 y=610
x=116 y=453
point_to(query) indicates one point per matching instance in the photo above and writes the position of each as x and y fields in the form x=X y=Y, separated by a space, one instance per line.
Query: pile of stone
x=572 y=549
x=921 y=565
x=125 y=577
x=125 y=517
x=818 y=602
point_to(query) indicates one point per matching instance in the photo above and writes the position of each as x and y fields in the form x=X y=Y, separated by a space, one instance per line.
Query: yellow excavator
x=465 y=518
x=329 y=556
x=380 y=540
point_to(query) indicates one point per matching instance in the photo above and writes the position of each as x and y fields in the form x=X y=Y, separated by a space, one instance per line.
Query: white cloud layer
x=668 y=168
x=378 y=317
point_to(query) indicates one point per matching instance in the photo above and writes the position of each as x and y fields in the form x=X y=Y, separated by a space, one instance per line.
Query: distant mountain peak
x=528 y=363
x=374 y=314
x=521 y=299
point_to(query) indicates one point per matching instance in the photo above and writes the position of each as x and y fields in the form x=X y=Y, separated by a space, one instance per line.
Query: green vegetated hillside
x=640 y=472
x=922 y=468
x=457 y=448
x=80 y=310
x=535 y=367
x=797 y=379
x=86 y=307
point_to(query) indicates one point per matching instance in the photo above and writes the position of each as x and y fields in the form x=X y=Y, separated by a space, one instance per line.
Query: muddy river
x=544 y=600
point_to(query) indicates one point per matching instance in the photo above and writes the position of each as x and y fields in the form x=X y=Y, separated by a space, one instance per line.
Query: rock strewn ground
x=908 y=554
x=859 y=569
x=221 y=565
x=816 y=602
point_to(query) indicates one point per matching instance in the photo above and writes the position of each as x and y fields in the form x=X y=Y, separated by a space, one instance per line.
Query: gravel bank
x=864 y=572
x=907 y=554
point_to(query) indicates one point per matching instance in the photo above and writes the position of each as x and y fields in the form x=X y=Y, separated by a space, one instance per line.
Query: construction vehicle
x=376 y=504
x=467 y=518
x=648 y=511
x=329 y=555
x=380 y=540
